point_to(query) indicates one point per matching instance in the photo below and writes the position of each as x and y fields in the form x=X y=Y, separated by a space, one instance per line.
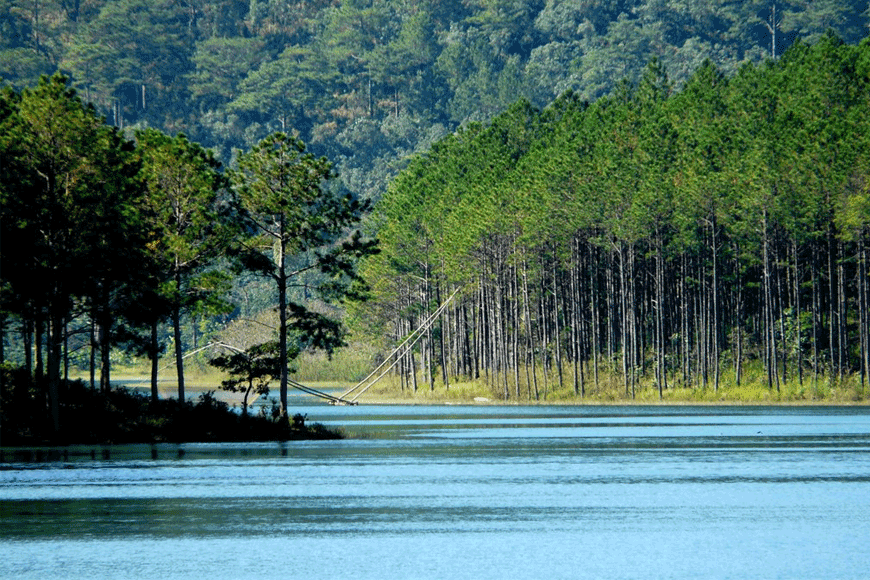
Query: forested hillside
x=369 y=82
x=663 y=191
x=670 y=238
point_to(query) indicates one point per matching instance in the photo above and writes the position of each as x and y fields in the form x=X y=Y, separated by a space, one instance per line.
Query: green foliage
x=100 y=231
x=732 y=207
x=229 y=72
x=131 y=56
x=221 y=65
x=70 y=225
x=298 y=234
x=250 y=370
x=290 y=87
x=187 y=229
x=700 y=168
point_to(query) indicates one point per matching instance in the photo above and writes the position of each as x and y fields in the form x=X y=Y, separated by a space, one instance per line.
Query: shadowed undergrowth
x=123 y=416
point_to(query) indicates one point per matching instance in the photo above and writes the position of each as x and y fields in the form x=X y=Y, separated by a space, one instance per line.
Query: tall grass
x=346 y=365
x=753 y=389
x=351 y=364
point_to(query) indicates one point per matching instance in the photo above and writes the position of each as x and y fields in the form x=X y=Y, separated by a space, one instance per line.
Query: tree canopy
x=657 y=232
x=369 y=83
x=107 y=238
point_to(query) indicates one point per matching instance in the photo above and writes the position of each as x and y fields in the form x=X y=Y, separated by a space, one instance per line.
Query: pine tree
x=299 y=235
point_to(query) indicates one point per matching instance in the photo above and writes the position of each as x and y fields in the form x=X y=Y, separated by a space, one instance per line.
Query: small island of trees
x=110 y=236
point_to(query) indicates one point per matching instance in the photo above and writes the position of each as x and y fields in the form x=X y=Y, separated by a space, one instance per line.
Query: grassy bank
x=611 y=390
x=352 y=363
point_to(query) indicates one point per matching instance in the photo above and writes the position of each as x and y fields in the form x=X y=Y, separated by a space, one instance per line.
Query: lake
x=460 y=492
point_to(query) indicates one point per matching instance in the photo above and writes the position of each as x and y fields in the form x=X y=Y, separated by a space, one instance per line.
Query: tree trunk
x=780 y=313
x=412 y=363
x=39 y=339
x=516 y=317
x=633 y=335
x=282 y=317
x=574 y=307
x=105 y=344
x=864 y=301
x=65 y=349
x=596 y=316
x=797 y=314
x=2 y=351
x=179 y=350
x=530 y=350
x=55 y=343
x=558 y=304
x=832 y=306
x=623 y=298
x=661 y=371
x=817 y=310
x=444 y=325
x=543 y=338
x=92 y=353
x=738 y=322
x=153 y=354
x=715 y=328
x=842 y=340
x=769 y=338
x=701 y=327
x=245 y=398
x=27 y=339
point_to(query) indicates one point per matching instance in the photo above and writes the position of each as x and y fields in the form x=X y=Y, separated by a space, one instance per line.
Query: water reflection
x=460 y=492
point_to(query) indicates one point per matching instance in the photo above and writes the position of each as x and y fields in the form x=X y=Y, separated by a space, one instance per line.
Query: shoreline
x=612 y=403
x=474 y=396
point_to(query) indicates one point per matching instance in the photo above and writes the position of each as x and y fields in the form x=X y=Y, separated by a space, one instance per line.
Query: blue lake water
x=461 y=492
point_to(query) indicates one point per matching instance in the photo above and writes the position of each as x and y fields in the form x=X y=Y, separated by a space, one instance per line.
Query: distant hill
x=368 y=83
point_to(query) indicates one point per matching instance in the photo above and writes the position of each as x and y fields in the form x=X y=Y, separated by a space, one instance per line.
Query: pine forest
x=666 y=237
x=599 y=200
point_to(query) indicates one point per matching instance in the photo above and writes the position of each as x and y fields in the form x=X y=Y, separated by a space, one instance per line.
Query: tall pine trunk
x=176 y=330
x=715 y=327
x=153 y=352
x=281 y=282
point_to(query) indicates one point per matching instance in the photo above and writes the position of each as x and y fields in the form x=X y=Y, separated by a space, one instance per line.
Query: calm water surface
x=449 y=492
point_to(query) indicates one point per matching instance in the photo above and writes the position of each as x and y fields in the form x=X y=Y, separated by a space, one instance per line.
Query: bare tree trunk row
x=537 y=320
